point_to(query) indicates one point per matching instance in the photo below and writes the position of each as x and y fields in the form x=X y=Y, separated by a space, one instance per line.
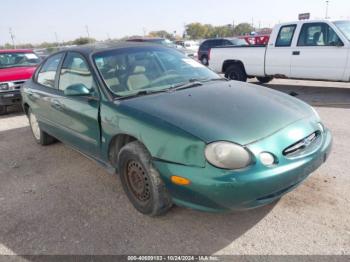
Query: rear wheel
x=40 y=136
x=204 y=60
x=3 y=110
x=264 y=80
x=141 y=181
x=236 y=72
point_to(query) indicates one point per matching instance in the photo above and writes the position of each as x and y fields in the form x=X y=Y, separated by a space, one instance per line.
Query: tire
x=264 y=80
x=204 y=60
x=148 y=193
x=236 y=72
x=3 y=110
x=40 y=136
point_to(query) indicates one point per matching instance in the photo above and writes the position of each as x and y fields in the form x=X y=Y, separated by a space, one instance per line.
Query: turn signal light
x=178 y=180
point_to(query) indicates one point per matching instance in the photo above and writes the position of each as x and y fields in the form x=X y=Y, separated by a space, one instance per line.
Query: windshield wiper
x=143 y=93
x=189 y=84
x=214 y=79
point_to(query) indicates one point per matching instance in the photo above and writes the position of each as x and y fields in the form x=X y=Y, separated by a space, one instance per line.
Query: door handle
x=296 y=53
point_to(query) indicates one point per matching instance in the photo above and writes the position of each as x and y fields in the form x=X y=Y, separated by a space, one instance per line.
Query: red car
x=16 y=67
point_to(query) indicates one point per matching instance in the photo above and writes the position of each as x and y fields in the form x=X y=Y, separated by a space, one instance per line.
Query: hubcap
x=137 y=181
x=35 y=126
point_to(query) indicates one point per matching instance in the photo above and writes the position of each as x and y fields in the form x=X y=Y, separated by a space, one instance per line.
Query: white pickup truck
x=315 y=50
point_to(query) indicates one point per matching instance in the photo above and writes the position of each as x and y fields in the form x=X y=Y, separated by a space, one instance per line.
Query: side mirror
x=77 y=90
x=340 y=43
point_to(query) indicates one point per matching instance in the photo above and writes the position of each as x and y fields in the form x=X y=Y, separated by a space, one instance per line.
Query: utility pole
x=144 y=29
x=87 y=31
x=56 y=37
x=12 y=37
x=327 y=3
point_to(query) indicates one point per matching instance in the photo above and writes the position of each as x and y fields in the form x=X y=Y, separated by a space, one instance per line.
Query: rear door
x=279 y=53
x=319 y=54
x=77 y=116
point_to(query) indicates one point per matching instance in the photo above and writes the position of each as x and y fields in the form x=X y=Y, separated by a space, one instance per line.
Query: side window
x=204 y=45
x=219 y=42
x=285 y=36
x=47 y=73
x=318 y=34
x=74 y=71
x=226 y=42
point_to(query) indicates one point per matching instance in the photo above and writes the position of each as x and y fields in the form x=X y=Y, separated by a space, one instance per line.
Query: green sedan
x=174 y=131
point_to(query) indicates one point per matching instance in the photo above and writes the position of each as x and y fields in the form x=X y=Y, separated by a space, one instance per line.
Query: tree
x=162 y=34
x=243 y=28
x=197 y=30
x=83 y=41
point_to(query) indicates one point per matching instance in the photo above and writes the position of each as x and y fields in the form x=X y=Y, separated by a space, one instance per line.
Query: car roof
x=16 y=51
x=310 y=21
x=106 y=46
x=145 y=38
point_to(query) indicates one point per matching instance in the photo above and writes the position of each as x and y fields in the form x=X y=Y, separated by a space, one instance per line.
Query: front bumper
x=10 y=98
x=214 y=189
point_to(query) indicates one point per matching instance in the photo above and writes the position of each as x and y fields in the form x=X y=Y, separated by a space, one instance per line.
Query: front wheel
x=265 y=79
x=40 y=136
x=141 y=181
x=236 y=72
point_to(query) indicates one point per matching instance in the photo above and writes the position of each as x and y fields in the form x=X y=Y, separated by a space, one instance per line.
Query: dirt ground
x=55 y=201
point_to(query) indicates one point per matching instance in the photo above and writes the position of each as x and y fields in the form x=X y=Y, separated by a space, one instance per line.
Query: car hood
x=231 y=111
x=16 y=73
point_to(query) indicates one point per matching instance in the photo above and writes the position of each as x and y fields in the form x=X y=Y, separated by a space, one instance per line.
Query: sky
x=36 y=21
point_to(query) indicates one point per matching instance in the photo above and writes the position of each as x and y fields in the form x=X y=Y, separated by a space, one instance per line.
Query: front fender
x=163 y=140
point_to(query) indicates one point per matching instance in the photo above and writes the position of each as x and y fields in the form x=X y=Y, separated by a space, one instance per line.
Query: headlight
x=227 y=155
x=4 y=87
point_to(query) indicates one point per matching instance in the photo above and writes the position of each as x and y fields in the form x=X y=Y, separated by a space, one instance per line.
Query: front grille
x=18 y=84
x=302 y=145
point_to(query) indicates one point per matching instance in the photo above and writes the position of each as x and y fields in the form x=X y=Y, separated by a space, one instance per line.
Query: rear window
x=285 y=36
x=47 y=73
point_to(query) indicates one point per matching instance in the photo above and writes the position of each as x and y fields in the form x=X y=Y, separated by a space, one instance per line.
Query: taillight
x=209 y=54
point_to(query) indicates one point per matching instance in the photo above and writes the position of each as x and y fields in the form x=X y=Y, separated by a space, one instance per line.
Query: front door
x=320 y=54
x=279 y=54
x=77 y=116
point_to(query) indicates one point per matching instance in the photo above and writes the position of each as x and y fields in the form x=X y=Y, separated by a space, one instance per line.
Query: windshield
x=131 y=70
x=18 y=59
x=344 y=27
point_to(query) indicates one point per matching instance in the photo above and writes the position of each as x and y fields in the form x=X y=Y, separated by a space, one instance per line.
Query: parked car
x=165 y=42
x=156 y=40
x=314 y=50
x=143 y=110
x=206 y=45
x=16 y=67
x=191 y=45
x=261 y=40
